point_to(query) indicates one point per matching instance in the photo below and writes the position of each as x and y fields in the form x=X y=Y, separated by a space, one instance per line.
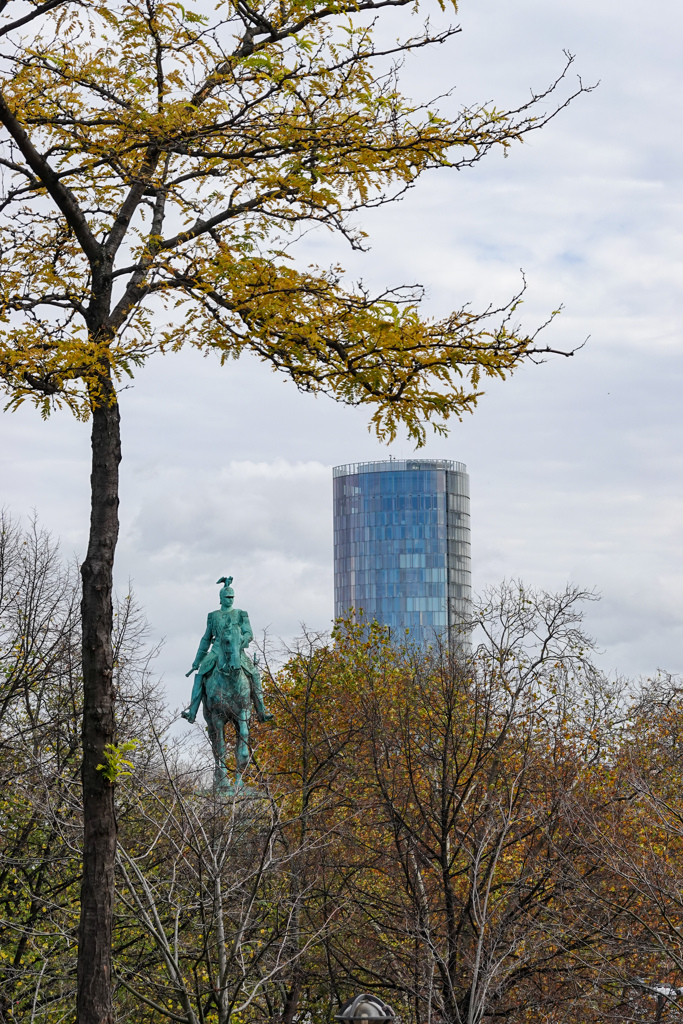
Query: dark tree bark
x=99 y=840
x=292 y=1000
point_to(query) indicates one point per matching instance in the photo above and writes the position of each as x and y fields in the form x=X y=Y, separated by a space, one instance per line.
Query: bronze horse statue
x=226 y=684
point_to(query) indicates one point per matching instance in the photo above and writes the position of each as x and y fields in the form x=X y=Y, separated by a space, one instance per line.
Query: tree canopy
x=160 y=159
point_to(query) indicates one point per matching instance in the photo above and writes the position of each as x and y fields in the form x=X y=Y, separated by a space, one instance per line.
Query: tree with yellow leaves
x=440 y=793
x=157 y=159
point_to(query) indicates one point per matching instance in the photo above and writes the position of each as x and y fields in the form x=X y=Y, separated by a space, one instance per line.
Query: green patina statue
x=226 y=683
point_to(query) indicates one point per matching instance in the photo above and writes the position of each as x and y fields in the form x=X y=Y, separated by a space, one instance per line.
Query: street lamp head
x=365 y=1007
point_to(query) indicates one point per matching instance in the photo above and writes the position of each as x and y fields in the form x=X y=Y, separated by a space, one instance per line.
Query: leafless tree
x=40 y=755
x=206 y=907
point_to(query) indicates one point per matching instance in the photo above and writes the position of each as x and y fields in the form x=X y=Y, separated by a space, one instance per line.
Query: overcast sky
x=575 y=466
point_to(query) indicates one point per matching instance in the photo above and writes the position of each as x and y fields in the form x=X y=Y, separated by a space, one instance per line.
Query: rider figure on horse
x=228 y=632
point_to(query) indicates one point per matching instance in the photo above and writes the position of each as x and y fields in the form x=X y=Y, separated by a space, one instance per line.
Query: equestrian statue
x=226 y=684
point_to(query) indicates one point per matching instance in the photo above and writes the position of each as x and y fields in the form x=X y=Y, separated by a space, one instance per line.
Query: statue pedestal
x=238 y=793
x=236 y=790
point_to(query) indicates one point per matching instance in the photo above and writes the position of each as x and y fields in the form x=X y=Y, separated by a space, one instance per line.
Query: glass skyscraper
x=402 y=544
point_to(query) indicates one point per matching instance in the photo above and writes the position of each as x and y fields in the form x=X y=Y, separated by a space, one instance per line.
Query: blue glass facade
x=402 y=543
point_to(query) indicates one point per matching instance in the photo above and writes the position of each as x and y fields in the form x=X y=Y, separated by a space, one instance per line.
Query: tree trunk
x=292 y=1000
x=94 y=1004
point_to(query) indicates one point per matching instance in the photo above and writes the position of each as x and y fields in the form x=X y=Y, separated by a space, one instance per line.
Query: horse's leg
x=216 y=730
x=242 y=740
x=242 y=721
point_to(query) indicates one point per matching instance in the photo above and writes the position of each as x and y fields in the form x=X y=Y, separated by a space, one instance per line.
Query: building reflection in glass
x=402 y=544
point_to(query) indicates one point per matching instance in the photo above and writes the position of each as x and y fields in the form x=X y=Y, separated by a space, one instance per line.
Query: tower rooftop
x=397 y=466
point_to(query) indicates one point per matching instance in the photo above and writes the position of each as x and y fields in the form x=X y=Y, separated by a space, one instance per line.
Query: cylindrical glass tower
x=402 y=544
